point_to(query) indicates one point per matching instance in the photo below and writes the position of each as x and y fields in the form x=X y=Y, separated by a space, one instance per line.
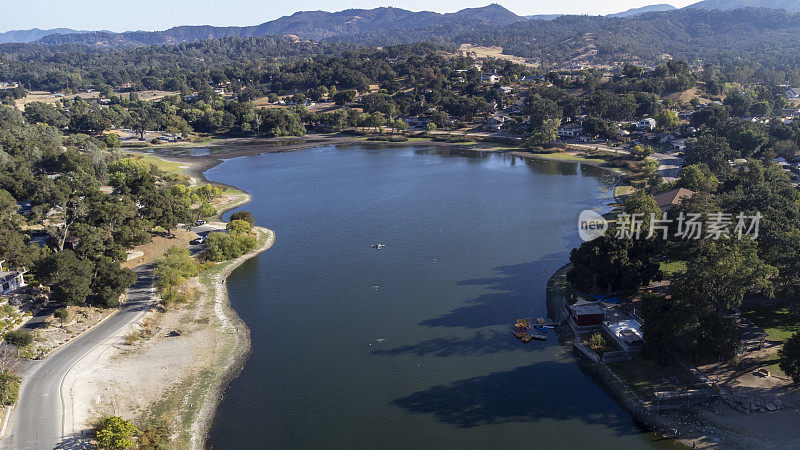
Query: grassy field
x=672 y=268
x=166 y=166
x=779 y=323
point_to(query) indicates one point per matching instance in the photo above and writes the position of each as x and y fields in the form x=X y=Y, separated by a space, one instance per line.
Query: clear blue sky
x=122 y=15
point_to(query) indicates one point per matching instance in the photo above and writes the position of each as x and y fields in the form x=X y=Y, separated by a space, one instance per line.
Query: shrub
x=9 y=387
x=238 y=227
x=116 y=433
x=18 y=338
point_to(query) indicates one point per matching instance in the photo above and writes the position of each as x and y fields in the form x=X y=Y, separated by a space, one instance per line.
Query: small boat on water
x=378 y=246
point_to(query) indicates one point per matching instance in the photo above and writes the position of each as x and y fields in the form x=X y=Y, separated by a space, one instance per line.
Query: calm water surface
x=409 y=346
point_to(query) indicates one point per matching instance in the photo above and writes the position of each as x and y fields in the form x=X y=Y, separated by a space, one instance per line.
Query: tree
x=69 y=277
x=698 y=178
x=172 y=270
x=640 y=152
x=720 y=272
x=116 y=433
x=238 y=227
x=790 y=357
x=344 y=97
x=61 y=314
x=247 y=216
x=18 y=338
x=610 y=264
x=667 y=120
x=430 y=126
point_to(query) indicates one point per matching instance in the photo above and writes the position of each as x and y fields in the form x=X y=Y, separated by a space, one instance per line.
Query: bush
x=116 y=433
x=9 y=387
x=238 y=227
x=790 y=357
x=225 y=246
x=18 y=338
x=597 y=343
x=173 y=269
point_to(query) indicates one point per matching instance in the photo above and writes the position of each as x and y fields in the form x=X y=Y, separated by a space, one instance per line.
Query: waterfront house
x=11 y=280
x=584 y=313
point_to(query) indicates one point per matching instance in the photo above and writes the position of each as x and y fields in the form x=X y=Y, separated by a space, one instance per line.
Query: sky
x=125 y=15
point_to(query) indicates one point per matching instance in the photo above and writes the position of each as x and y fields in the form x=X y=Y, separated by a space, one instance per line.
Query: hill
x=724 y=5
x=644 y=9
x=24 y=36
x=345 y=25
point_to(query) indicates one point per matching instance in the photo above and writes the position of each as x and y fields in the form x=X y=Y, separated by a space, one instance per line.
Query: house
x=506 y=89
x=570 y=130
x=666 y=200
x=792 y=92
x=646 y=124
x=493 y=78
x=11 y=280
x=678 y=145
x=494 y=123
x=584 y=313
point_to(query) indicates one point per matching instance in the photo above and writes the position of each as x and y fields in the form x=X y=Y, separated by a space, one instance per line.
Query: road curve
x=39 y=420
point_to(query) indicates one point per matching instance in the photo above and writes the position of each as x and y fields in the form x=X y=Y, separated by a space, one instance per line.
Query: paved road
x=38 y=421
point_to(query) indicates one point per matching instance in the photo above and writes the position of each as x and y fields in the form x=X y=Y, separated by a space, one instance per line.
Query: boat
x=526 y=337
x=378 y=246
x=539 y=337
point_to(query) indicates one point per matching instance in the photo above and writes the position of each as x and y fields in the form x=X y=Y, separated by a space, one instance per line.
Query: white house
x=647 y=123
x=792 y=92
x=570 y=130
x=11 y=280
x=493 y=78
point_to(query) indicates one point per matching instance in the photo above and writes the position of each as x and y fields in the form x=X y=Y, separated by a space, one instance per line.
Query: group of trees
x=88 y=230
x=694 y=316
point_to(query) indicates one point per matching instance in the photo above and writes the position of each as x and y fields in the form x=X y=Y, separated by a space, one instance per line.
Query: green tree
x=70 y=278
x=790 y=357
x=61 y=314
x=667 y=120
x=238 y=226
x=18 y=338
x=247 y=216
x=173 y=269
x=698 y=178
x=116 y=433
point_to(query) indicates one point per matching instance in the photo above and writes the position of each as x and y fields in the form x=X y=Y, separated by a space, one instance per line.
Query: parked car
x=199 y=222
x=199 y=240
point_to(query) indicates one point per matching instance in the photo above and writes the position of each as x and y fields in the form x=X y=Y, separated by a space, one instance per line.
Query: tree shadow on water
x=517 y=292
x=525 y=394
x=480 y=343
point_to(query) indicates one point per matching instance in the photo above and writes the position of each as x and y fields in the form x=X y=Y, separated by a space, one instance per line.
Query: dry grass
x=479 y=52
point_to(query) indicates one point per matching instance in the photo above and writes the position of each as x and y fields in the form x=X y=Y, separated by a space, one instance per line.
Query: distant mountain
x=644 y=9
x=724 y=5
x=312 y=25
x=543 y=16
x=25 y=36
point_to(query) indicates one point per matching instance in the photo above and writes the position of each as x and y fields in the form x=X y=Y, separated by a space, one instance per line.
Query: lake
x=410 y=345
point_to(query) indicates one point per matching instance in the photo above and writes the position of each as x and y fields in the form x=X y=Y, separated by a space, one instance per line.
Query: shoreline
x=201 y=426
x=223 y=149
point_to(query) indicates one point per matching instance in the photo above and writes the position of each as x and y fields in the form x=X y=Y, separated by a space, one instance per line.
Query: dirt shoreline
x=242 y=346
